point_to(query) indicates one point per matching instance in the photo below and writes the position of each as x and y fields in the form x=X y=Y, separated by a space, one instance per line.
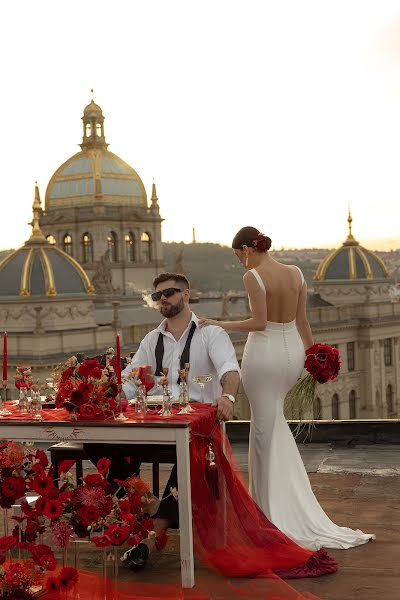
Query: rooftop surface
x=358 y=487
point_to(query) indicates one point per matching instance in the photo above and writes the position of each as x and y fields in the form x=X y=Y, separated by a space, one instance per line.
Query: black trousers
x=120 y=468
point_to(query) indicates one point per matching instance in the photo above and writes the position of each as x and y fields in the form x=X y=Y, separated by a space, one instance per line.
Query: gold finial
x=92 y=92
x=36 y=208
x=349 y=221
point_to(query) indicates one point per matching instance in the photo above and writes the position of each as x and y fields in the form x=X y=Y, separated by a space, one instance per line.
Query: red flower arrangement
x=323 y=364
x=88 y=390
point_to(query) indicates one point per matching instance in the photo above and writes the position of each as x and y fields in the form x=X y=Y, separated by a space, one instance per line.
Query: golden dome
x=351 y=262
x=40 y=269
x=92 y=109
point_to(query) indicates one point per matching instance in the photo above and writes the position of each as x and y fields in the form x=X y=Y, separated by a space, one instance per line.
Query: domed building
x=96 y=210
x=352 y=274
x=46 y=305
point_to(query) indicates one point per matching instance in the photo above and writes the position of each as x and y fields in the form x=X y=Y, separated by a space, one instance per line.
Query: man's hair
x=178 y=277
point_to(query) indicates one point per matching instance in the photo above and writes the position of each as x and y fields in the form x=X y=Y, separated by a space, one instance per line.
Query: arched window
x=317 y=409
x=88 y=130
x=335 y=407
x=389 y=399
x=352 y=405
x=130 y=247
x=112 y=247
x=146 y=247
x=98 y=129
x=87 y=246
x=51 y=239
x=67 y=244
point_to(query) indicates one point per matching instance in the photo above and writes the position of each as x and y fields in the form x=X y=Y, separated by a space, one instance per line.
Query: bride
x=273 y=360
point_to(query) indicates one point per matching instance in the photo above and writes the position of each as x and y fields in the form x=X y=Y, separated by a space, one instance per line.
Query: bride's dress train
x=273 y=360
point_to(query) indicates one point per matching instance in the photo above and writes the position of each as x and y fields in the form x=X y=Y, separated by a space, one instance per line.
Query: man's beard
x=172 y=310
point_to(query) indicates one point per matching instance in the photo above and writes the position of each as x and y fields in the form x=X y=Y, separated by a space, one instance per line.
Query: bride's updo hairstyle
x=251 y=237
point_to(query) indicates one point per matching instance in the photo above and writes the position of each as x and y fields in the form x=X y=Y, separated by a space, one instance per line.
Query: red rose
x=322 y=362
x=85 y=369
x=53 y=509
x=89 y=410
x=76 y=398
x=96 y=373
x=103 y=464
x=118 y=534
x=85 y=389
x=66 y=374
x=88 y=514
x=13 y=487
x=66 y=389
x=7 y=542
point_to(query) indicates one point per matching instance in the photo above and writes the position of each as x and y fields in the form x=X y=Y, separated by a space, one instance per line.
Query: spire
x=36 y=210
x=193 y=235
x=93 y=127
x=350 y=241
x=154 y=199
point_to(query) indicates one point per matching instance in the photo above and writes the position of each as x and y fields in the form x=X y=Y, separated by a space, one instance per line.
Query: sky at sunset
x=273 y=114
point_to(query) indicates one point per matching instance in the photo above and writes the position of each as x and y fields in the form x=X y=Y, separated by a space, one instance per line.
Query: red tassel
x=212 y=473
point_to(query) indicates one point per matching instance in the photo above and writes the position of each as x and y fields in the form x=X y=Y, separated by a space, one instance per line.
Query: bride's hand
x=204 y=322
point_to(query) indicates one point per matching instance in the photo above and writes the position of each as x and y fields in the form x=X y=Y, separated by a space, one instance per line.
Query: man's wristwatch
x=231 y=398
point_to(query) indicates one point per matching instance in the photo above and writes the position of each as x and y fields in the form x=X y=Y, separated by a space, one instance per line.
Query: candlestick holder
x=120 y=416
x=3 y=409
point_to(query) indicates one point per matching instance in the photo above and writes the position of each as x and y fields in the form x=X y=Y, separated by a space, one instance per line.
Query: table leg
x=185 y=508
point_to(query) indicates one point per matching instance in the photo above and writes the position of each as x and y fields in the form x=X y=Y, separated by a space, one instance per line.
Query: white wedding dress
x=272 y=362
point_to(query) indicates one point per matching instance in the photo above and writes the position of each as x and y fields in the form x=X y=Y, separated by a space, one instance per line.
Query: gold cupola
x=351 y=262
x=39 y=269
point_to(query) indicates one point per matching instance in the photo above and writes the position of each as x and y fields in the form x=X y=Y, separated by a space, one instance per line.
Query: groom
x=176 y=341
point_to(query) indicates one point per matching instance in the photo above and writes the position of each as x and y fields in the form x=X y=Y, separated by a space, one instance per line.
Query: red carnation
x=118 y=534
x=101 y=541
x=88 y=514
x=103 y=464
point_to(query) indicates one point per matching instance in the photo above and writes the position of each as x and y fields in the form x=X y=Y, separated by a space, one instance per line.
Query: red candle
x=118 y=361
x=5 y=356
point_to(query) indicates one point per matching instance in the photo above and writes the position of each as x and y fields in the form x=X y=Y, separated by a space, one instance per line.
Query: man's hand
x=224 y=408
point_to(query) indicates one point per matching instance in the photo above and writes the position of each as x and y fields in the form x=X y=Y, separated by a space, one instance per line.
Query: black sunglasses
x=156 y=296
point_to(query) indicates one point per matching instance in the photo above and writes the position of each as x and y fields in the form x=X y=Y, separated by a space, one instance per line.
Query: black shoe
x=136 y=558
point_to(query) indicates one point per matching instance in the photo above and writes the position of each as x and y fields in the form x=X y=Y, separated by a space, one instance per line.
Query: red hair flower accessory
x=261 y=243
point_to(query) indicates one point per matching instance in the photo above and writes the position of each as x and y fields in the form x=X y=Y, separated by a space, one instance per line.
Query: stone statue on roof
x=102 y=278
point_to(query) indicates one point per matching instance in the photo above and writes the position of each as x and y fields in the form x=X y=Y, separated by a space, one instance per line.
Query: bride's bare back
x=283 y=284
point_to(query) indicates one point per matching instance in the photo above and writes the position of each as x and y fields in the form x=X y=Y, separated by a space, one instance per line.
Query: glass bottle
x=23 y=405
x=141 y=404
x=36 y=405
x=167 y=402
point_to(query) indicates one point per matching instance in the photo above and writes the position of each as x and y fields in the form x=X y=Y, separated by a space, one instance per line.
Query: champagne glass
x=202 y=380
x=50 y=386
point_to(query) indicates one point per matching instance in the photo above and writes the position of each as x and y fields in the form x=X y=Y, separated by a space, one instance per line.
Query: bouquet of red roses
x=88 y=389
x=323 y=364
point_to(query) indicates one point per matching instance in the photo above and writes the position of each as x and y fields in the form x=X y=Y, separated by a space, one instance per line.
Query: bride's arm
x=302 y=323
x=258 y=319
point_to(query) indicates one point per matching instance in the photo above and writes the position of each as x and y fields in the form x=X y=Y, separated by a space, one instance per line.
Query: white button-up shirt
x=211 y=353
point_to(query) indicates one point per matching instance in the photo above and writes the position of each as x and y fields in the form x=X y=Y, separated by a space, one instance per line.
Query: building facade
x=96 y=210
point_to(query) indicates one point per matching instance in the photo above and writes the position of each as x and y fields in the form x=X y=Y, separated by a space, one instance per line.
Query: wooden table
x=124 y=432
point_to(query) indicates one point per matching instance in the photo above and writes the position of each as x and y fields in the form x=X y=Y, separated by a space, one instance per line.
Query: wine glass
x=202 y=380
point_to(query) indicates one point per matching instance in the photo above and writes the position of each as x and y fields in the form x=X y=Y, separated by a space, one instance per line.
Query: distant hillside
x=214 y=267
